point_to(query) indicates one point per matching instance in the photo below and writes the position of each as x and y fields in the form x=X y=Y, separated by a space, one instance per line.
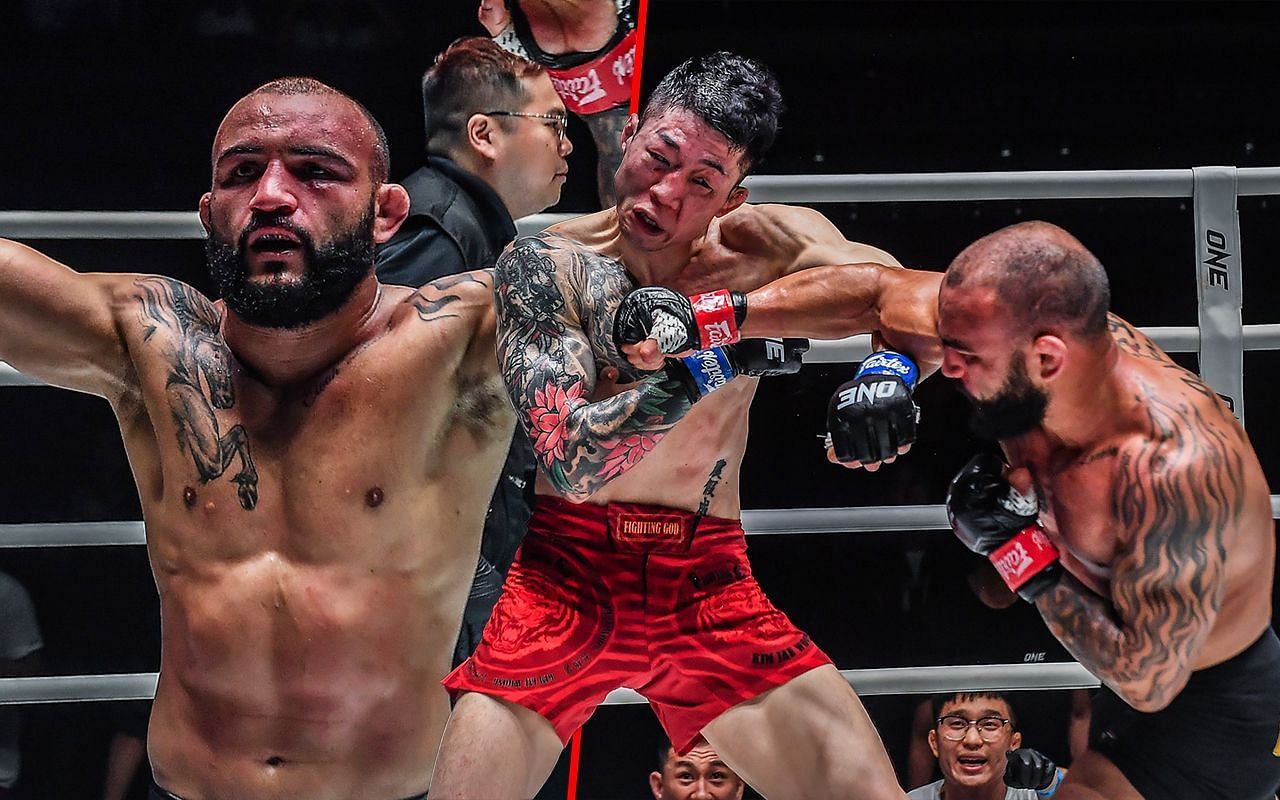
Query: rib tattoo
x=194 y=349
x=556 y=303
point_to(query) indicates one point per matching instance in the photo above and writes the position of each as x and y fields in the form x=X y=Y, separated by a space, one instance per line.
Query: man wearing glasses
x=496 y=149
x=980 y=753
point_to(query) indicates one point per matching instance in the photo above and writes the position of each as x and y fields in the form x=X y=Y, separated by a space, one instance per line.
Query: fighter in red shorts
x=634 y=571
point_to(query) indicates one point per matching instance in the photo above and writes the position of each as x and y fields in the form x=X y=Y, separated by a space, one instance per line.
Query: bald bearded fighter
x=1132 y=512
x=634 y=572
x=314 y=455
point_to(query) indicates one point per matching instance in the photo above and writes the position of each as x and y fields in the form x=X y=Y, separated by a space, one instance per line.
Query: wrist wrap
x=1023 y=556
x=888 y=362
x=716 y=316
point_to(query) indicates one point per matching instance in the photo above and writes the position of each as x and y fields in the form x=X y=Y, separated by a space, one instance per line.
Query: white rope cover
x=871 y=187
x=897 y=680
x=855 y=348
x=759 y=522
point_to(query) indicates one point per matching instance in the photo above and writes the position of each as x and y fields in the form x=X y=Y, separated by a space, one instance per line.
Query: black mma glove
x=707 y=370
x=873 y=415
x=679 y=323
x=1029 y=769
x=994 y=520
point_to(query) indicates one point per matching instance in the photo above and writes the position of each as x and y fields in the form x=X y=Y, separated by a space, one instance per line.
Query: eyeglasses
x=558 y=121
x=954 y=728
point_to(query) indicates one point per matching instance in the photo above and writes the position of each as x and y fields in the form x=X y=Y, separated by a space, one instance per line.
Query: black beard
x=333 y=271
x=1017 y=408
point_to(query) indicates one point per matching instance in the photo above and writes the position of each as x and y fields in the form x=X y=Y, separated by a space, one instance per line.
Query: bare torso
x=570 y=26
x=1081 y=504
x=696 y=466
x=313 y=546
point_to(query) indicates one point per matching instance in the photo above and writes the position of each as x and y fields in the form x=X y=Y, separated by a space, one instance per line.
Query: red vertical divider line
x=641 y=32
x=575 y=753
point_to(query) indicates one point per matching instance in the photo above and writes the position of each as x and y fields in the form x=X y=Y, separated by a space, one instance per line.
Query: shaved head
x=380 y=164
x=1042 y=277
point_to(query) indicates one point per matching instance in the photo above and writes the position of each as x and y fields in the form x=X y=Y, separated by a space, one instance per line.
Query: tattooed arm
x=606 y=131
x=547 y=363
x=58 y=325
x=1174 y=496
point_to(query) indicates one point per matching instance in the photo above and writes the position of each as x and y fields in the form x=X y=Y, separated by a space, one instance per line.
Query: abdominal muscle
x=298 y=676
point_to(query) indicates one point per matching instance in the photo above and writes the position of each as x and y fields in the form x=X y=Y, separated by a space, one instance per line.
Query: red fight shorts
x=627 y=595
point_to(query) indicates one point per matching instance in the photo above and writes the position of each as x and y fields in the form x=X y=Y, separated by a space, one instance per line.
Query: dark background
x=112 y=105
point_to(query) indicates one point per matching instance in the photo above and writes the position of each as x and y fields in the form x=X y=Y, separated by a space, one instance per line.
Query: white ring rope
x=757 y=522
x=895 y=680
x=1172 y=339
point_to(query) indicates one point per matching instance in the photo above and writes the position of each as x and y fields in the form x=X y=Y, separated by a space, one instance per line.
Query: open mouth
x=972 y=762
x=647 y=223
x=274 y=242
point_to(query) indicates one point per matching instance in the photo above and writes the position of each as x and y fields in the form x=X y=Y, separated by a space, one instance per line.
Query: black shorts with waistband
x=1219 y=738
x=160 y=794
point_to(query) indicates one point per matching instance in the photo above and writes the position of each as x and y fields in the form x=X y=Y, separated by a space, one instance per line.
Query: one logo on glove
x=866 y=393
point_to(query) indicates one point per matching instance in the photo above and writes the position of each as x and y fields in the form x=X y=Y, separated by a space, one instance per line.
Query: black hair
x=473 y=75
x=737 y=96
x=940 y=700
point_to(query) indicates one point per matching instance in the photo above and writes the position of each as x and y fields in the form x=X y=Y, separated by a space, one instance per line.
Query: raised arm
x=58 y=325
x=543 y=284
x=1174 y=500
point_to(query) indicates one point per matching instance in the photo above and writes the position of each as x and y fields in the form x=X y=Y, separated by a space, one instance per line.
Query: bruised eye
x=659 y=158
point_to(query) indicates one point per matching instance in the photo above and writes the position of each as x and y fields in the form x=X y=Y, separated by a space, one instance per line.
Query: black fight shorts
x=1219 y=738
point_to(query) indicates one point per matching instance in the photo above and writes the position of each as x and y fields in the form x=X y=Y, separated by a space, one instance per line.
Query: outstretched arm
x=543 y=283
x=1174 y=497
x=899 y=305
x=58 y=325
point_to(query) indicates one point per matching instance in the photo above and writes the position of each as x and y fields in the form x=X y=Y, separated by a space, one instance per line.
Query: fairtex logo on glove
x=709 y=368
x=714 y=318
x=1028 y=552
x=887 y=362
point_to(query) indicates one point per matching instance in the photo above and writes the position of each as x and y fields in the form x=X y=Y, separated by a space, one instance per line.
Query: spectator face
x=535 y=149
x=696 y=775
x=977 y=757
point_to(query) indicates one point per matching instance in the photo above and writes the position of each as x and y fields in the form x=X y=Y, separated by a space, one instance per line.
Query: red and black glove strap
x=1023 y=557
x=716 y=318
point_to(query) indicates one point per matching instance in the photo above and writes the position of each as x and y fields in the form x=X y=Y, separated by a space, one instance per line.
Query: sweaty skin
x=1181 y=550
x=553 y=360
x=1147 y=485
x=600 y=429
x=313 y=498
